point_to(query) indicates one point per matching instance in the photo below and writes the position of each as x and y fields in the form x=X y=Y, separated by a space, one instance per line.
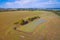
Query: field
x=57 y=12
x=45 y=28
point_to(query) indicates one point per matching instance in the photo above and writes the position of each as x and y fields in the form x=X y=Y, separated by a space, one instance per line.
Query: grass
x=26 y=20
x=57 y=12
x=6 y=23
x=8 y=18
x=32 y=26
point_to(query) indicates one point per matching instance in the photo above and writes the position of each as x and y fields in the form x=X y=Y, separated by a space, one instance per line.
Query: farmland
x=47 y=27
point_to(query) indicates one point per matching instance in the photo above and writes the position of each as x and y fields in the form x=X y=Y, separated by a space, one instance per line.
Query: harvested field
x=47 y=30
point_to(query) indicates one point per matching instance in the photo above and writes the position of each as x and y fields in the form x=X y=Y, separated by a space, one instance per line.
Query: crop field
x=47 y=27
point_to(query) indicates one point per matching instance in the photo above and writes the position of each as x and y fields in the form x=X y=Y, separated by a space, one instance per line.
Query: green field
x=45 y=28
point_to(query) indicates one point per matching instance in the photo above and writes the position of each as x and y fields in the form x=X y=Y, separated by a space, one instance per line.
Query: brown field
x=49 y=30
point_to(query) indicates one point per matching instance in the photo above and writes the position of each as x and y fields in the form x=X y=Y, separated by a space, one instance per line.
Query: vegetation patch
x=27 y=20
x=33 y=18
x=57 y=12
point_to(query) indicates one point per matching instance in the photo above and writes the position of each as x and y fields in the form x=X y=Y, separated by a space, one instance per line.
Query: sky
x=29 y=3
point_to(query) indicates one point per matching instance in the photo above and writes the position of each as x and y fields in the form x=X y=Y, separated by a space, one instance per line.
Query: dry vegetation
x=26 y=20
x=49 y=30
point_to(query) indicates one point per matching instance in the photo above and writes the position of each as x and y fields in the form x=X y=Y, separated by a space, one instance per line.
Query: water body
x=31 y=26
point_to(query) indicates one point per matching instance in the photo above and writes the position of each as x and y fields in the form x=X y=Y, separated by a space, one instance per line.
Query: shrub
x=37 y=17
x=15 y=28
x=30 y=19
x=26 y=20
x=21 y=22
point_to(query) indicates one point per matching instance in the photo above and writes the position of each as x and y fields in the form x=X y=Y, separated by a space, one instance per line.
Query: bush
x=26 y=20
x=30 y=19
x=21 y=22
x=37 y=17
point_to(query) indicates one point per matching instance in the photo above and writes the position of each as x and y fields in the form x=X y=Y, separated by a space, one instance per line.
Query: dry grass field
x=49 y=30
